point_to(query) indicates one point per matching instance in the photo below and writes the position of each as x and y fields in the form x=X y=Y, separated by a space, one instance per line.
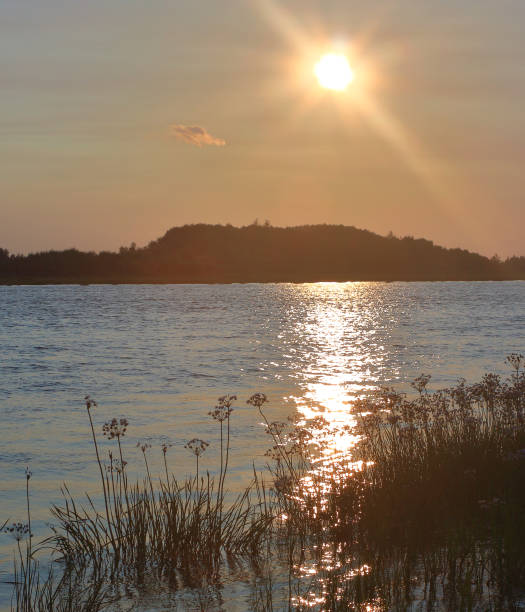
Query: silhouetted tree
x=260 y=253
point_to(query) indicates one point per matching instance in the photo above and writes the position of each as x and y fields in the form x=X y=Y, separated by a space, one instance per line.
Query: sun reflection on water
x=339 y=369
x=344 y=363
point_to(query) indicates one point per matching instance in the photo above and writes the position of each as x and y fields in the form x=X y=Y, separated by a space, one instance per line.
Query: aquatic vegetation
x=76 y=588
x=432 y=512
x=68 y=589
x=429 y=461
x=426 y=510
x=197 y=447
x=175 y=527
x=19 y=531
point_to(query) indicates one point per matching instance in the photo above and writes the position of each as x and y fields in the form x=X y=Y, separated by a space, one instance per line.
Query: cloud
x=195 y=135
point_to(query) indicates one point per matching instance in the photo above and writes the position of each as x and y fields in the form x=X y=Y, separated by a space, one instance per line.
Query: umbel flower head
x=90 y=402
x=116 y=466
x=115 y=428
x=196 y=446
x=283 y=484
x=257 y=400
x=515 y=360
x=421 y=382
x=224 y=408
x=19 y=531
x=165 y=446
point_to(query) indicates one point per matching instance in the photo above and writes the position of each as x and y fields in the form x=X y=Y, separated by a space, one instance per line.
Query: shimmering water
x=161 y=354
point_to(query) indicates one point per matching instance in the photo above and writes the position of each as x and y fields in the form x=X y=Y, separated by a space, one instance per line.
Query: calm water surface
x=160 y=355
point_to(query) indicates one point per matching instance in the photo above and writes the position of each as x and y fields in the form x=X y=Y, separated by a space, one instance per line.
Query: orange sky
x=120 y=119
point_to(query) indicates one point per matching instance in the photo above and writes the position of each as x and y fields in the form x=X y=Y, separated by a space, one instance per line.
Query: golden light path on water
x=337 y=374
x=160 y=356
x=343 y=373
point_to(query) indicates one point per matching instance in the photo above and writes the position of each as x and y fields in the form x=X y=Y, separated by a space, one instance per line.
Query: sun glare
x=333 y=72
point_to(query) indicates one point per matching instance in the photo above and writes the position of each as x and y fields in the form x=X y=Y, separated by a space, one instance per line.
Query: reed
x=427 y=511
x=441 y=460
x=78 y=588
x=74 y=589
x=431 y=513
x=175 y=526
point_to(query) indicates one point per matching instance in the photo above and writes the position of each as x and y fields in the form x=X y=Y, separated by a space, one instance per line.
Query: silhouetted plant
x=197 y=447
x=429 y=504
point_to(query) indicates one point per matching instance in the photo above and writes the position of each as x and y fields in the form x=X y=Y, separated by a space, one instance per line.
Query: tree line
x=261 y=253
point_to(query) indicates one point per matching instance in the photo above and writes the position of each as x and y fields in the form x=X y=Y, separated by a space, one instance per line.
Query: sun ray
x=418 y=159
x=284 y=22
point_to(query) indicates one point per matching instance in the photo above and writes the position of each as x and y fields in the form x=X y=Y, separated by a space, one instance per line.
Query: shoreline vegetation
x=425 y=511
x=261 y=253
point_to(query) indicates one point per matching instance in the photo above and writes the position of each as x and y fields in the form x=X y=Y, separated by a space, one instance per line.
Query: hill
x=261 y=253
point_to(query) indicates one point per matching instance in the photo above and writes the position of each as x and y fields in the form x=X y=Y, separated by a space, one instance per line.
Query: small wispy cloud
x=195 y=135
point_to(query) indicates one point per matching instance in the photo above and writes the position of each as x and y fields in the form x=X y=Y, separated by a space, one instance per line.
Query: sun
x=333 y=72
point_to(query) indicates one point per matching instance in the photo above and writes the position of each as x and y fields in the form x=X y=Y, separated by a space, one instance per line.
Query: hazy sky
x=120 y=119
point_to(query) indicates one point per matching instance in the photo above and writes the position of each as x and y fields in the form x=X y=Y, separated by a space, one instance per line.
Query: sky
x=120 y=119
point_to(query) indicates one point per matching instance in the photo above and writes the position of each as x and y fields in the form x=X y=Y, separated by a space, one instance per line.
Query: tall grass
x=76 y=588
x=433 y=511
x=428 y=510
x=439 y=460
x=165 y=528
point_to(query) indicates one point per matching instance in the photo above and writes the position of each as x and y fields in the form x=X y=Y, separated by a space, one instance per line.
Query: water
x=160 y=355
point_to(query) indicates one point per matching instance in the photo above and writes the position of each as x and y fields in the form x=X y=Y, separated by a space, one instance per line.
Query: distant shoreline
x=223 y=254
x=80 y=283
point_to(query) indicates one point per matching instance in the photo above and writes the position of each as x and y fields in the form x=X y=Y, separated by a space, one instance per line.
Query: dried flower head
x=144 y=446
x=300 y=437
x=490 y=383
x=165 y=446
x=19 y=531
x=257 y=400
x=115 y=428
x=224 y=408
x=318 y=422
x=274 y=453
x=90 y=402
x=29 y=473
x=421 y=382
x=116 y=466
x=515 y=360
x=196 y=446
x=275 y=428
x=283 y=484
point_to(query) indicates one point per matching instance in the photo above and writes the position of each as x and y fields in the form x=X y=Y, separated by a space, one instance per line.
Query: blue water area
x=160 y=355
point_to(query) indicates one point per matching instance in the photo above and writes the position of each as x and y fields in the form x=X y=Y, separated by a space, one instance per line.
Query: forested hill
x=261 y=253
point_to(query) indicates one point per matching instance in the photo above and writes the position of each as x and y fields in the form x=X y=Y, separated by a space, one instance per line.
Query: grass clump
x=439 y=461
x=167 y=528
x=432 y=511
x=79 y=587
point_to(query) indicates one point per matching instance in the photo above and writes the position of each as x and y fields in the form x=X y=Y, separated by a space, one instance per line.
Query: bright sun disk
x=333 y=72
